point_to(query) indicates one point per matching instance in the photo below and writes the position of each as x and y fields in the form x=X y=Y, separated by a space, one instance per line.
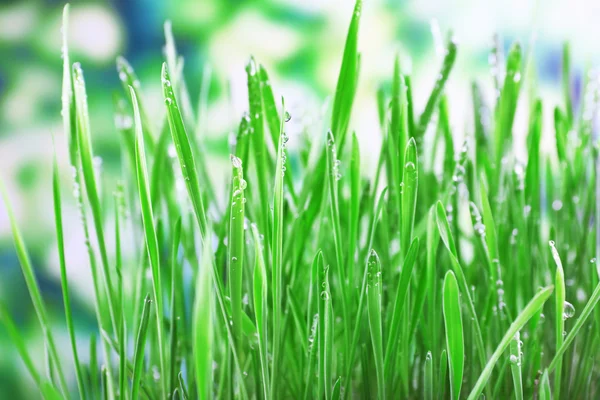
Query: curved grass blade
x=184 y=151
x=60 y=244
x=18 y=341
x=235 y=248
x=203 y=324
x=559 y=304
x=149 y=235
x=534 y=305
x=454 y=333
x=140 y=346
x=374 y=287
x=34 y=292
x=587 y=310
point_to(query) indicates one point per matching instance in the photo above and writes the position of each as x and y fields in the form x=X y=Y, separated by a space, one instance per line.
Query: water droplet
x=325 y=295
x=236 y=162
x=517 y=77
x=168 y=101
x=557 y=205
x=287 y=116
x=167 y=83
x=234 y=259
x=569 y=310
x=513 y=359
x=410 y=166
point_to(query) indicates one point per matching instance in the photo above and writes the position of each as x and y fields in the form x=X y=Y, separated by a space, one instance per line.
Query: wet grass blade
x=324 y=330
x=516 y=362
x=585 y=313
x=374 y=287
x=277 y=255
x=428 y=377
x=150 y=236
x=410 y=186
x=353 y=210
x=534 y=305
x=454 y=333
x=235 y=247
x=559 y=304
x=184 y=151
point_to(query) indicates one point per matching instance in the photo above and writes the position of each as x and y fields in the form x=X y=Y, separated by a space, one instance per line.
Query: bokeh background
x=299 y=41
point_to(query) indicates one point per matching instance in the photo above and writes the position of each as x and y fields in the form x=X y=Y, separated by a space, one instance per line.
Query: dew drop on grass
x=569 y=310
x=168 y=101
x=287 y=116
x=513 y=359
x=557 y=205
x=410 y=166
x=236 y=162
x=325 y=295
x=517 y=77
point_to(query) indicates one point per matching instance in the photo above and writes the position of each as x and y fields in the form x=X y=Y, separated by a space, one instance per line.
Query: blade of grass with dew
x=235 y=248
x=438 y=88
x=534 y=305
x=559 y=304
x=184 y=151
x=587 y=310
x=273 y=121
x=353 y=210
x=152 y=244
x=203 y=324
x=86 y=158
x=262 y=159
x=454 y=333
x=333 y=176
x=277 y=252
x=325 y=331
x=516 y=362
x=374 y=287
x=140 y=348
x=428 y=377
x=260 y=308
x=34 y=292
x=398 y=306
x=409 y=194
x=177 y=307
x=60 y=244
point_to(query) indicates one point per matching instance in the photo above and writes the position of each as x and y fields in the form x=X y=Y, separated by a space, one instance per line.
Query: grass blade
x=149 y=235
x=516 y=361
x=374 y=286
x=140 y=348
x=559 y=296
x=534 y=305
x=454 y=333
x=203 y=325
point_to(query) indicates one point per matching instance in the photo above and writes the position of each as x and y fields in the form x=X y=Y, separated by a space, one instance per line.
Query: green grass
x=430 y=276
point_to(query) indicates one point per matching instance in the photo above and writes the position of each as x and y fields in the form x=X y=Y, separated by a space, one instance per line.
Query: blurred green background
x=299 y=41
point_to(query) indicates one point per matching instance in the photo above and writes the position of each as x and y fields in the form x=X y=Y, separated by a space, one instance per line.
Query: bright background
x=299 y=41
